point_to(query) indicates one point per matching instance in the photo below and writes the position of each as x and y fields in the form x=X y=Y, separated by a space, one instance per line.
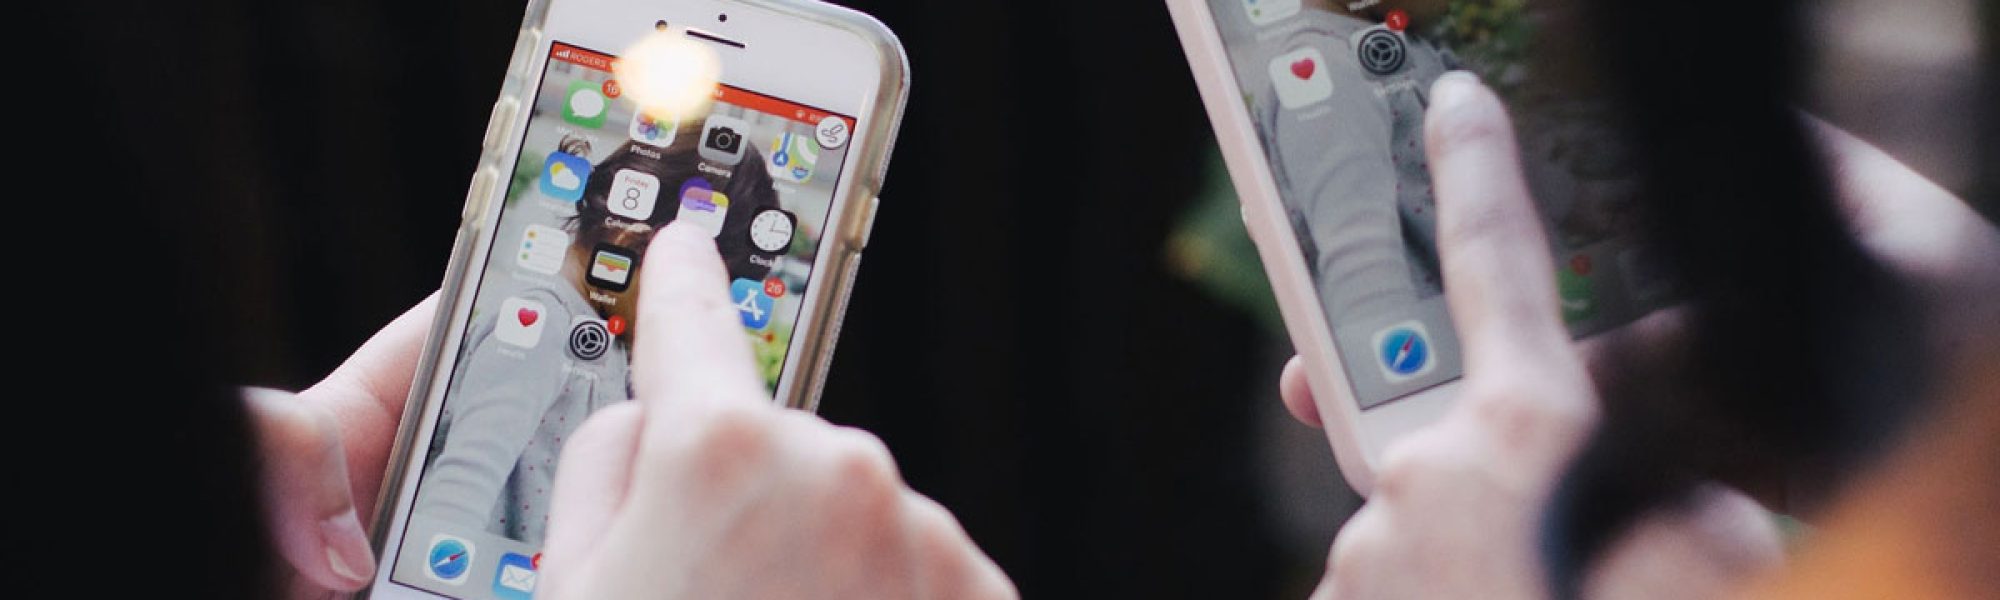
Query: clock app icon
x=771 y=230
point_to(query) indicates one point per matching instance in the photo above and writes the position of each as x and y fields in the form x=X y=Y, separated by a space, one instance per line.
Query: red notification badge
x=616 y=324
x=774 y=287
x=1397 y=20
x=1580 y=264
x=611 y=88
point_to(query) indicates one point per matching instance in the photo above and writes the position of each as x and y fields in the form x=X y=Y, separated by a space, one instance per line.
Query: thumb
x=307 y=501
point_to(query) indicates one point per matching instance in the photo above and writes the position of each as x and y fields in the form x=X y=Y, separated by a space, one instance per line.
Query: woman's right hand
x=701 y=488
x=1457 y=504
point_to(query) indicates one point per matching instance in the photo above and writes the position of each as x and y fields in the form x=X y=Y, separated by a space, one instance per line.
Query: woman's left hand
x=323 y=452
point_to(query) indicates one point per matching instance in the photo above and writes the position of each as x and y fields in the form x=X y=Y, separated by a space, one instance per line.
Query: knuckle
x=729 y=445
x=1470 y=126
x=1477 y=224
x=1409 y=467
x=290 y=426
x=1522 y=415
x=863 y=477
x=864 y=460
x=683 y=290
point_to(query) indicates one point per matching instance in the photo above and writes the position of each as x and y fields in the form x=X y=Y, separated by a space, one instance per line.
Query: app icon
x=543 y=249
x=1403 y=351
x=516 y=578
x=450 y=559
x=520 y=322
x=611 y=267
x=752 y=303
x=832 y=132
x=722 y=139
x=1300 y=78
x=563 y=176
x=1574 y=289
x=1644 y=274
x=771 y=230
x=703 y=206
x=633 y=194
x=793 y=157
x=1380 y=50
x=655 y=132
x=585 y=105
x=589 y=338
x=1266 y=12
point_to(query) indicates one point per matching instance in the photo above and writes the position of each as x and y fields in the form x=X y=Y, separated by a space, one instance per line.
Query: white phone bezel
x=784 y=56
x=1357 y=436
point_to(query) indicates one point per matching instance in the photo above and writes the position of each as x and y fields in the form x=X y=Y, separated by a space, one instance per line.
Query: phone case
x=1277 y=246
x=847 y=232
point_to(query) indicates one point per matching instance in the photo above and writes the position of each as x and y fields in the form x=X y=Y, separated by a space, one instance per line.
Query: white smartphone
x=778 y=154
x=1318 y=106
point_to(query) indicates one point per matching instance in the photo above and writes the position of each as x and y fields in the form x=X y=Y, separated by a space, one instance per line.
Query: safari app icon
x=449 y=559
x=1403 y=351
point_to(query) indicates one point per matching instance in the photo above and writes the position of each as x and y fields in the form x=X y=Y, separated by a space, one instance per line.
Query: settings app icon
x=589 y=339
x=1381 y=51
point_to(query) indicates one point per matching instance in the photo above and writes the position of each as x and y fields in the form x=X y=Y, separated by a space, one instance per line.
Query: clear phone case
x=846 y=232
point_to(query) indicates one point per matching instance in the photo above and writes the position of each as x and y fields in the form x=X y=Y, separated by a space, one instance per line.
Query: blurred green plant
x=769 y=347
x=525 y=171
x=1211 y=248
x=1491 y=37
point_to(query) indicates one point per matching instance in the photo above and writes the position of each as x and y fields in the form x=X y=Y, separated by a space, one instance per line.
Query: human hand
x=324 y=451
x=702 y=488
x=1456 y=506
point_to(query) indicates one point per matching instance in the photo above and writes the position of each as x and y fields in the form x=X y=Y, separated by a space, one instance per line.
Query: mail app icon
x=516 y=578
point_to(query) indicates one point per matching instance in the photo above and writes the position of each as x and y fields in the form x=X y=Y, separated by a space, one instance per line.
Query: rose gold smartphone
x=1318 y=106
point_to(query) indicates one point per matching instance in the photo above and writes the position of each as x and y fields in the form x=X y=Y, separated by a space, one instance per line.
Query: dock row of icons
x=450 y=562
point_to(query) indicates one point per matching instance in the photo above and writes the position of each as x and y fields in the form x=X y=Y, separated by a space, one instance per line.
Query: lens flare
x=669 y=75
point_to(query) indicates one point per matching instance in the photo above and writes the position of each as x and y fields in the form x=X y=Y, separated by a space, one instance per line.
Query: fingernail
x=1452 y=89
x=347 y=550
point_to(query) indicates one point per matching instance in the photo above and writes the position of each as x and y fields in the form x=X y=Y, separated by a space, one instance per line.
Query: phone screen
x=1337 y=92
x=549 y=337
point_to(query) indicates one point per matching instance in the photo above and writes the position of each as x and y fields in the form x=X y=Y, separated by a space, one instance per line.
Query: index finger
x=1498 y=277
x=690 y=349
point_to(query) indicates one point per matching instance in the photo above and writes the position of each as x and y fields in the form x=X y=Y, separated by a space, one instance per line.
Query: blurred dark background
x=1017 y=335
x=1026 y=334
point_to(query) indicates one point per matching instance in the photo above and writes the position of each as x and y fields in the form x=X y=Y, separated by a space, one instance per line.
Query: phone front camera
x=722 y=18
x=660 y=25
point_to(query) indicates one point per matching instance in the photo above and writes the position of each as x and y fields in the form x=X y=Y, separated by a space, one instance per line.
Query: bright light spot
x=669 y=75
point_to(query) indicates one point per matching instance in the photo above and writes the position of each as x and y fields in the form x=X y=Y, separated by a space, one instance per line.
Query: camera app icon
x=722 y=139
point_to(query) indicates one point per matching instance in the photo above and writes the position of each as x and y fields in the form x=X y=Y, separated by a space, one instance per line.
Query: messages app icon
x=585 y=105
x=563 y=176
